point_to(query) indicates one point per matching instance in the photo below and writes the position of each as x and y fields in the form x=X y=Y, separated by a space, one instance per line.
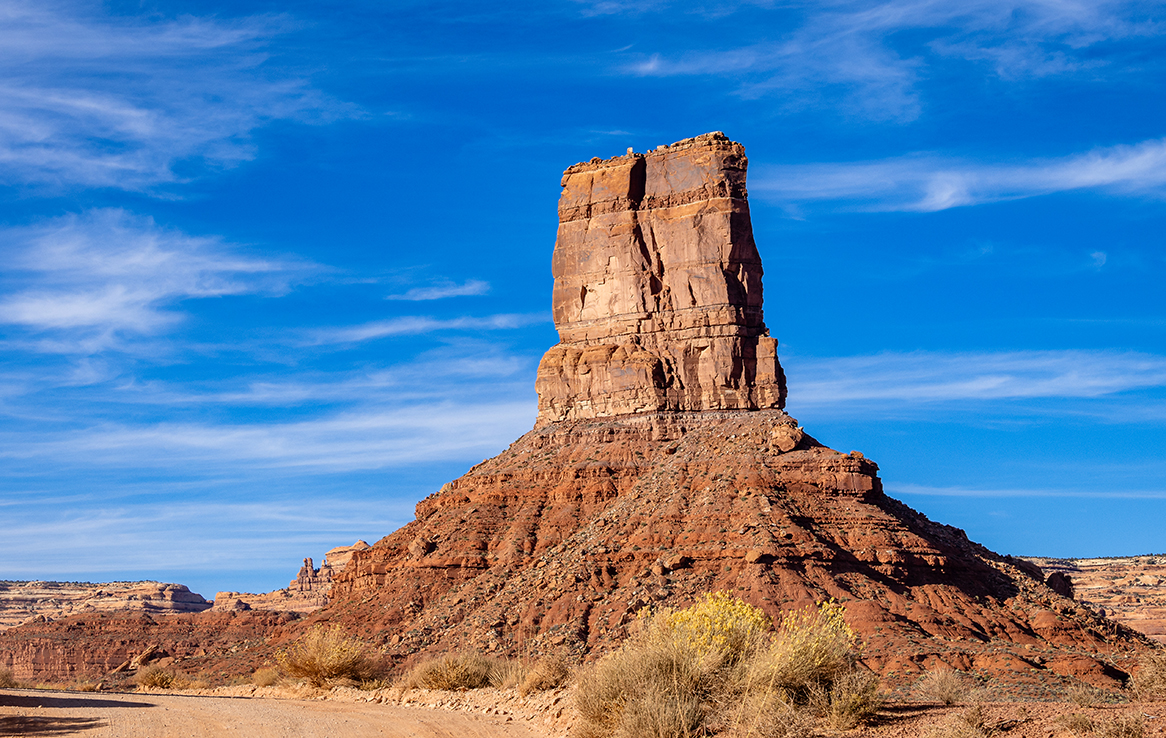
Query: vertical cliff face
x=657 y=294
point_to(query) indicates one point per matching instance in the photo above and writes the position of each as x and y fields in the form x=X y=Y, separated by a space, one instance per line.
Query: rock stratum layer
x=657 y=294
x=1129 y=589
x=20 y=601
x=662 y=466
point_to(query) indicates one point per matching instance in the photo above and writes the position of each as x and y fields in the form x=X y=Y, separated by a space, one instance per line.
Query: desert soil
x=120 y=715
x=479 y=714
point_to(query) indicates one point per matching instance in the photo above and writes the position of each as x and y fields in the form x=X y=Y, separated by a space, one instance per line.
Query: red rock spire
x=657 y=294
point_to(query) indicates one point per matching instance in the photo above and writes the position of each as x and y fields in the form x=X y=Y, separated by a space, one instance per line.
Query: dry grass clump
x=508 y=674
x=155 y=676
x=266 y=677
x=549 y=672
x=454 y=671
x=1126 y=726
x=1077 y=723
x=714 y=665
x=971 y=723
x=854 y=697
x=946 y=686
x=326 y=655
x=7 y=680
x=1085 y=695
x=1149 y=681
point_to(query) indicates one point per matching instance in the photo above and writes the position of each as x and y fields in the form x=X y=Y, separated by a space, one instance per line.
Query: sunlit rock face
x=657 y=294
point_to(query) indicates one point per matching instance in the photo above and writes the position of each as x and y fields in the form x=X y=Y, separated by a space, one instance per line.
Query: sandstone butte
x=662 y=465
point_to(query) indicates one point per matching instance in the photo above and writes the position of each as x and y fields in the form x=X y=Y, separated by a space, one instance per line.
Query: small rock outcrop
x=657 y=294
x=308 y=592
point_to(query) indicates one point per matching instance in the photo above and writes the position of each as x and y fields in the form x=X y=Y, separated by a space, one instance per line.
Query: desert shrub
x=453 y=671
x=956 y=729
x=686 y=669
x=1077 y=723
x=812 y=647
x=944 y=685
x=717 y=624
x=7 y=680
x=767 y=716
x=548 y=672
x=1149 y=681
x=508 y=674
x=155 y=676
x=324 y=655
x=854 y=697
x=265 y=677
x=1084 y=695
x=970 y=723
x=1125 y=726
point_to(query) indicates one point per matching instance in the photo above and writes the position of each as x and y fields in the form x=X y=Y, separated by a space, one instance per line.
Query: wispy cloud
x=923 y=379
x=100 y=101
x=365 y=438
x=252 y=544
x=87 y=280
x=470 y=287
x=930 y=183
x=416 y=325
x=870 y=57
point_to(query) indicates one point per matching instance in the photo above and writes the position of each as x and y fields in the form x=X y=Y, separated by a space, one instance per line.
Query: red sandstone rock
x=657 y=292
x=662 y=467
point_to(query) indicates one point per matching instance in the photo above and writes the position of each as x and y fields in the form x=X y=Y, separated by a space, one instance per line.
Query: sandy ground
x=110 y=715
x=262 y=713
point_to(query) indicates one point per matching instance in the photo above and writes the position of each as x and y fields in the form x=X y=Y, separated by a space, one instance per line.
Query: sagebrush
x=457 y=671
x=549 y=672
x=265 y=677
x=7 y=680
x=717 y=666
x=946 y=686
x=155 y=676
x=1149 y=681
x=326 y=656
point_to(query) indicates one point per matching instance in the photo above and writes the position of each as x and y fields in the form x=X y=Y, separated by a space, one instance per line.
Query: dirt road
x=106 y=715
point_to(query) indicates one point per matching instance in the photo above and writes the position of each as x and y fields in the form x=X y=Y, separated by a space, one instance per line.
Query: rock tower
x=662 y=466
x=657 y=294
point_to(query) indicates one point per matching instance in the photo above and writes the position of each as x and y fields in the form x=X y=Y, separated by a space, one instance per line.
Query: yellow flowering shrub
x=719 y=623
x=811 y=648
x=718 y=666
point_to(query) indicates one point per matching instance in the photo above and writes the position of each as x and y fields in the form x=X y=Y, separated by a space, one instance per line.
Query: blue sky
x=272 y=272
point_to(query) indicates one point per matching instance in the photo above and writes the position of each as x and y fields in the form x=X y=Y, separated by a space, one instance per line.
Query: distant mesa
x=47 y=601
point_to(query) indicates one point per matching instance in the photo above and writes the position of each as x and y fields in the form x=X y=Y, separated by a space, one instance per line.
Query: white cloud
x=416 y=325
x=370 y=437
x=868 y=57
x=928 y=183
x=104 y=101
x=931 y=378
x=91 y=278
x=470 y=287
